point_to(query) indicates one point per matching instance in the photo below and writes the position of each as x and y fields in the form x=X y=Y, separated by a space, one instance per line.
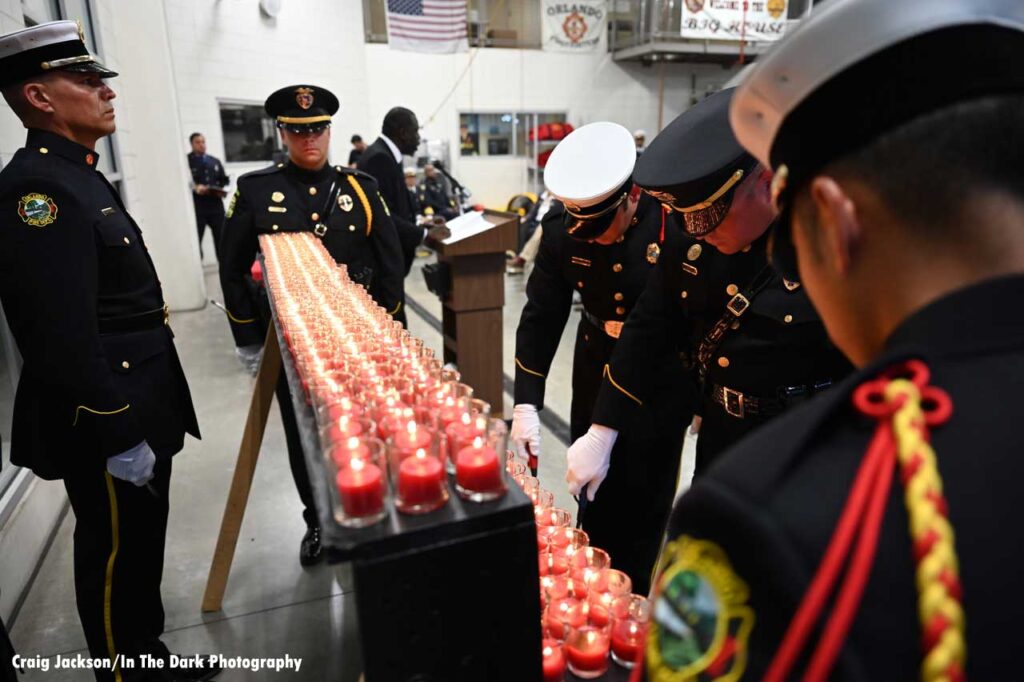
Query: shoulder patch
x=231 y=206
x=701 y=622
x=38 y=210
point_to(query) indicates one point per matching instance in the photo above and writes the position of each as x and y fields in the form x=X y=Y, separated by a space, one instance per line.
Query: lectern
x=471 y=317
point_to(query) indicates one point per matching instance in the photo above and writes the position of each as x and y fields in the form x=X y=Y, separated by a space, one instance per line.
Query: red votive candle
x=553 y=564
x=420 y=479
x=564 y=613
x=627 y=638
x=477 y=468
x=554 y=660
x=344 y=427
x=361 y=488
x=462 y=432
x=411 y=438
x=587 y=651
x=351 y=448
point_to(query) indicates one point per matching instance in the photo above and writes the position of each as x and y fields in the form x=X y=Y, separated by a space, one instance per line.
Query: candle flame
x=466 y=418
x=411 y=427
x=478 y=443
x=421 y=453
x=358 y=464
x=353 y=442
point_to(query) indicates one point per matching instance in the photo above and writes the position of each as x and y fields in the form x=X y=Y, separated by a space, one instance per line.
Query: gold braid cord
x=938 y=576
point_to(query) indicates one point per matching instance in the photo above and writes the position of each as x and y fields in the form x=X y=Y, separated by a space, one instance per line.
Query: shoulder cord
x=905 y=408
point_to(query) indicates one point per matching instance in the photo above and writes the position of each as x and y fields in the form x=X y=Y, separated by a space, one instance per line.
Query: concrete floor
x=272 y=607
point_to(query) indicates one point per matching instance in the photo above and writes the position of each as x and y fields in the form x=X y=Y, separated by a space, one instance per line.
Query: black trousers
x=120 y=531
x=628 y=515
x=210 y=214
x=296 y=458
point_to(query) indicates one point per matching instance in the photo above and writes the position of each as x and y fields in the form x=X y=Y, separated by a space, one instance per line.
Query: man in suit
x=383 y=160
x=102 y=401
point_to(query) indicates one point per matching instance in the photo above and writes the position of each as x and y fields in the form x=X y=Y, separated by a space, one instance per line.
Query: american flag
x=437 y=26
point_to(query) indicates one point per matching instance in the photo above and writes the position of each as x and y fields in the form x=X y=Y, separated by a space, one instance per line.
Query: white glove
x=250 y=357
x=525 y=431
x=589 y=458
x=134 y=466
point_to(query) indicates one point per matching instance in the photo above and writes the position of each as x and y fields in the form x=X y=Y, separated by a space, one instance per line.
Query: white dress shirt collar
x=393 y=147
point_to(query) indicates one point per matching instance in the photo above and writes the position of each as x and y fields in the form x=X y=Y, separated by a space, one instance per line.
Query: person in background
x=469 y=143
x=358 y=147
x=604 y=245
x=433 y=194
x=400 y=134
x=339 y=205
x=868 y=535
x=531 y=232
x=640 y=140
x=410 y=183
x=102 y=402
x=208 y=183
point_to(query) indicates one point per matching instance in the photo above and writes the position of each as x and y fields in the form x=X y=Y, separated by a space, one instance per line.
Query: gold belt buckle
x=738 y=305
x=613 y=328
x=732 y=401
x=320 y=229
x=167 y=315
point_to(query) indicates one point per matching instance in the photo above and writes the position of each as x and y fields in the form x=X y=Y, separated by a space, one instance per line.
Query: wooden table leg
x=245 y=468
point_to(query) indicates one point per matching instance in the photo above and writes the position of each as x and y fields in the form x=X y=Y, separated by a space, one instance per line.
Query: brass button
x=683 y=294
x=746 y=249
x=693 y=253
x=723 y=361
x=312 y=190
x=273 y=227
x=579 y=285
x=732 y=290
x=125 y=364
x=619 y=296
x=280 y=165
x=620 y=310
x=127 y=241
x=44 y=150
x=788 y=319
x=315 y=216
x=617 y=267
x=351 y=228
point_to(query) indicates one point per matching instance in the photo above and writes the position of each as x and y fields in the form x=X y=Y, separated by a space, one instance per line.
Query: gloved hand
x=250 y=357
x=134 y=466
x=526 y=433
x=589 y=458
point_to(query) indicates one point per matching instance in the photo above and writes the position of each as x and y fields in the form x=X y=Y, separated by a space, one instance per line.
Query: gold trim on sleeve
x=608 y=373
x=102 y=414
x=527 y=370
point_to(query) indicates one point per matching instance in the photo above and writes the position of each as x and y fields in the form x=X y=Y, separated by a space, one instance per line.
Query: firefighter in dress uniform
x=342 y=207
x=603 y=245
x=864 y=535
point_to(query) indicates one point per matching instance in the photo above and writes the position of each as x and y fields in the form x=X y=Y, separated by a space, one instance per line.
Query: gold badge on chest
x=653 y=251
x=693 y=253
x=277 y=196
x=345 y=202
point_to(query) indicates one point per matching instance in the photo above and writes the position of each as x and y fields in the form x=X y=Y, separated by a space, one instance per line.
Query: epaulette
x=269 y=170
x=343 y=170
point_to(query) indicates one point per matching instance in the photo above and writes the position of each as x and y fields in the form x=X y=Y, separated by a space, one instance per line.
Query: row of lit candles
x=394 y=424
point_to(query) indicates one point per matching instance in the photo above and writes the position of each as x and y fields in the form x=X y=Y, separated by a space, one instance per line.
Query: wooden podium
x=471 y=318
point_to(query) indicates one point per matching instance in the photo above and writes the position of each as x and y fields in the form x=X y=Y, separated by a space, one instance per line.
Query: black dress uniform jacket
x=775 y=354
x=771 y=503
x=287 y=198
x=80 y=293
x=207 y=170
x=378 y=161
x=641 y=480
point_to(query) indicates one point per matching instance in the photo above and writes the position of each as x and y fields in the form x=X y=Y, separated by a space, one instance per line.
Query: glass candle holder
x=561 y=586
x=586 y=650
x=478 y=468
x=565 y=541
x=361 y=486
x=631 y=615
x=461 y=433
x=515 y=468
x=561 y=614
x=408 y=435
x=552 y=660
x=550 y=563
x=542 y=499
x=345 y=427
x=608 y=585
x=588 y=562
x=419 y=479
x=552 y=517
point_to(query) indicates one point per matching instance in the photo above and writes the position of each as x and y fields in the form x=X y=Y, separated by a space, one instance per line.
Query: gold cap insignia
x=304 y=97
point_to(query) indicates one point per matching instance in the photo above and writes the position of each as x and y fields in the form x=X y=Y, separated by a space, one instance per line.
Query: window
x=249 y=134
x=502 y=134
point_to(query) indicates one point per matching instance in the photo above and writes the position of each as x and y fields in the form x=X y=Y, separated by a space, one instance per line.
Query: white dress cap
x=591 y=163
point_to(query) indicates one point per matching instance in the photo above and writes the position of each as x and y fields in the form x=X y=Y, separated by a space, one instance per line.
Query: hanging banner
x=750 y=20
x=574 y=26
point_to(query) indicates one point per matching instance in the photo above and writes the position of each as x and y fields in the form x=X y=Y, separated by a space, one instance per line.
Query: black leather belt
x=743 y=405
x=610 y=327
x=152 y=319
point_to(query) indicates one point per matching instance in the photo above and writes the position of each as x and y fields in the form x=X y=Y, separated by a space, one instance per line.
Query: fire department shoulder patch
x=38 y=210
x=701 y=622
